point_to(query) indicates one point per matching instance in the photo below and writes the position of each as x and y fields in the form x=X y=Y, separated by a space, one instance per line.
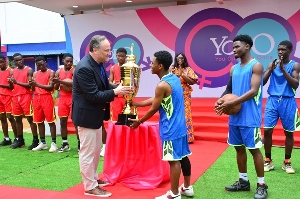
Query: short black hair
x=287 y=43
x=122 y=50
x=40 y=58
x=2 y=56
x=17 y=54
x=244 y=38
x=67 y=55
x=165 y=58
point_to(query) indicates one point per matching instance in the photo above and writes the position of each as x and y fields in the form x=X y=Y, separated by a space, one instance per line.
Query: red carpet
x=202 y=158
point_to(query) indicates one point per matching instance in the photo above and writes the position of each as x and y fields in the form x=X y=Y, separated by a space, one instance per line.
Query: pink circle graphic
x=189 y=39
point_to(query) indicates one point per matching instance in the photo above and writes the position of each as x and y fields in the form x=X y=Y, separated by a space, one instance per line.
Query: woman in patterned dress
x=187 y=78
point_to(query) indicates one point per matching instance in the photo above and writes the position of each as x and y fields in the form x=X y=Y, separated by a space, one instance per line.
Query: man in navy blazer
x=90 y=106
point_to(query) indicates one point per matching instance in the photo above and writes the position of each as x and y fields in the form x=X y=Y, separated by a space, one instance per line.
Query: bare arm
x=58 y=81
x=67 y=83
x=257 y=71
x=227 y=91
x=160 y=92
x=10 y=81
x=111 y=76
x=9 y=86
x=56 y=84
x=146 y=102
x=269 y=70
x=229 y=84
x=293 y=79
x=32 y=82
x=29 y=77
x=48 y=87
x=188 y=80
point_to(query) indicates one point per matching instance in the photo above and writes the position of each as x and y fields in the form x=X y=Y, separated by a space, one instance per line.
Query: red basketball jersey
x=42 y=78
x=65 y=75
x=21 y=76
x=3 y=80
x=117 y=73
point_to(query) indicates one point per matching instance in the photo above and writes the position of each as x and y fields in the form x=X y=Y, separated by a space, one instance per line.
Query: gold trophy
x=130 y=75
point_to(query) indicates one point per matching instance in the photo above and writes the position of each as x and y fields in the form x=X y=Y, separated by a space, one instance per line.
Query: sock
x=65 y=140
x=244 y=176
x=268 y=155
x=287 y=157
x=54 y=140
x=35 y=138
x=7 y=138
x=43 y=140
x=20 y=137
x=261 y=180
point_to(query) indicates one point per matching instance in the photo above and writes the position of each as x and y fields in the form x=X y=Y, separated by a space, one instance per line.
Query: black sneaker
x=241 y=185
x=5 y=142
x=18 y=144
x=34 y=144
x=65 y=147
x=261 y=191
x=14 y=141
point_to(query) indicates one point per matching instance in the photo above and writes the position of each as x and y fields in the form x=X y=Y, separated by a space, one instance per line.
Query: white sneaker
x=53 y=148
x=169 y=195
x=186 y=191
x=287 y=167
x=102 y=151
x=39 y=147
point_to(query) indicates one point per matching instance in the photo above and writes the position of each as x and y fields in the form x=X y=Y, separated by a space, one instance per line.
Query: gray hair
x=96 y=41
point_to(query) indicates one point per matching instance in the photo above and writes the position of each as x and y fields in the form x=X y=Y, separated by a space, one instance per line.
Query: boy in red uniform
x=6 y=101
x=21 y=76
x=115 y=78
x=43 y=103
x=65 y=98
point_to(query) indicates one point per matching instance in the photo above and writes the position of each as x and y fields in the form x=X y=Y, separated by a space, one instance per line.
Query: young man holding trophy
x=168 y=100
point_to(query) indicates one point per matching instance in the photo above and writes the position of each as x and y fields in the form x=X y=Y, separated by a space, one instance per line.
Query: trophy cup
x=130 y=75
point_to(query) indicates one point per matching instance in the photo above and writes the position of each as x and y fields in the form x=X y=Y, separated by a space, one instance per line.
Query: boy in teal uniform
x=284 y=80
x=168 y=100
x=244 y=127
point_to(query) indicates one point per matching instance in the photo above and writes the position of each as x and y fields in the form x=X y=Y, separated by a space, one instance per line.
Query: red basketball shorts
x=22 y=105
x=43 y=108
x=116 y=107
x=64 y=106
x=5 y=104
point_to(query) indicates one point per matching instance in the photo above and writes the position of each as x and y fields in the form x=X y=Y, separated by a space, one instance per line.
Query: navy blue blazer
x=90 y=98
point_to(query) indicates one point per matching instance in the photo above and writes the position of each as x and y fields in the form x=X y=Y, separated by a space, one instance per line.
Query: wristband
x=140 y=121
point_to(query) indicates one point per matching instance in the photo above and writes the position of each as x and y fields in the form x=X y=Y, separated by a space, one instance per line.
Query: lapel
x=96 y=68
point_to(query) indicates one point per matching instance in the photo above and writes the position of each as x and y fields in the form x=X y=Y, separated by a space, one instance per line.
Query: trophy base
x=123 y=119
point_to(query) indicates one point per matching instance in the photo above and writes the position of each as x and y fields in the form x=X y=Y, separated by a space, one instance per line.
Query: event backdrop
x=204 y=32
